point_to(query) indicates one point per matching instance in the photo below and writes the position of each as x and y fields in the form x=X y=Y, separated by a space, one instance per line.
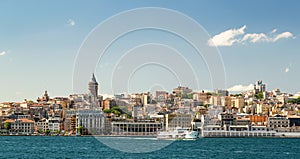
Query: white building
x=91 y=119
x=182 y=90
x=222 y=92
x=259 y=87
x=42 y=125
x=54 y=124
x=278 y=122
x=21 y=126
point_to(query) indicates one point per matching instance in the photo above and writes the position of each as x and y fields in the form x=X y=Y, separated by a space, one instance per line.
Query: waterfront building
x=91 y=119
x=294 y=121
x=174 y=120
x=143 y=128
x=42 y=125
x=226 y=118
x=54 y=124
x=21 y=126
x=242 y=121
x=70 y=124
x=278 y=122
x=258 y=120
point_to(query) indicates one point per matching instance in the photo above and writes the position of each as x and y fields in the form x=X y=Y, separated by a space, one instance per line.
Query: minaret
x=46 y=97
x=93 y=88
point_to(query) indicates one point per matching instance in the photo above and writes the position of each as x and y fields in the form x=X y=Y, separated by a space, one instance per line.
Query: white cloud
x=255 y=37
x=235 y=36
x=273 y=31
x=283 y=35
x=107 y=96
x=227 y=38
x=2 y=53
x=71 y=22
x=286 y=70
x=240 y=88
x=261 y=37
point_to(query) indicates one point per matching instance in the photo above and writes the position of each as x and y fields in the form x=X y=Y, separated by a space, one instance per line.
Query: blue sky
x=40 y=40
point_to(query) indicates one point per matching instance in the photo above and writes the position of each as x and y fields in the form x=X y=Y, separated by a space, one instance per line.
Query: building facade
x=21 y=126
x=278 y=122
x=136 y=128
x=91 y=119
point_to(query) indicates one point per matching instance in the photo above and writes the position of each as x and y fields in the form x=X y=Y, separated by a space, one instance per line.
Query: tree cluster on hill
x=295 y=101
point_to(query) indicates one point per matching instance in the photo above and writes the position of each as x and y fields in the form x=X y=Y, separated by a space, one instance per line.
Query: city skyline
x=40 y=41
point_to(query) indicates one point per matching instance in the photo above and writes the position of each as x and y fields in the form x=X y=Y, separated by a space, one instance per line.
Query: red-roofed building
x=21 y=126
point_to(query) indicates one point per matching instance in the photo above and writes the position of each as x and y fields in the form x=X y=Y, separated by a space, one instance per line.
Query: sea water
x=90 y=147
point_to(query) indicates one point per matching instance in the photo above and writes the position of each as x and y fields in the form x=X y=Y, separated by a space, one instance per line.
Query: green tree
x=209 y=93
x=115 y=111
x=80 y=129
x=47 y=132
x=187 y=96
x=7 y=125
x=259 y=95
x=129 y=116
x=206 y=105
x=184 y=96
x=107 y=111
x=295 y=101
x=40 y=131
x=57 y=132
x=237 y=95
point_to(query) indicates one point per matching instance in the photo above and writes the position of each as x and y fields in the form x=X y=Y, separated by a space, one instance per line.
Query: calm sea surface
x=89 y=147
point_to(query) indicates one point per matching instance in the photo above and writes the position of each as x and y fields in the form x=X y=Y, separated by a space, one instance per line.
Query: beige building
x=106 y=103
x=178 y=120
x=182 y=90
x=202 y=97
x=21 y=126
x=42 y=125
x=278 y=122
x=238 y=102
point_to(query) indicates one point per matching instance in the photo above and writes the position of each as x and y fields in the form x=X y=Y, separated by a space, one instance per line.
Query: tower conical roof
x=93 y=79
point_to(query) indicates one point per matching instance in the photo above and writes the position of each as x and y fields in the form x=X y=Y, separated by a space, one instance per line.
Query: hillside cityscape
x=146 y=114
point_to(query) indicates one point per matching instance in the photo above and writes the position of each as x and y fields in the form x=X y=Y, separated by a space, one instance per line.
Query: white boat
x=191 y=135
x=178 y=134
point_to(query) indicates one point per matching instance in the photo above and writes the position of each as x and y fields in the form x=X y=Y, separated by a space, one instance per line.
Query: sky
x=40 y=42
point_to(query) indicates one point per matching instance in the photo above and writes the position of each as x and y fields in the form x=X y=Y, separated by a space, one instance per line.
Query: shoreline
x=289 y=136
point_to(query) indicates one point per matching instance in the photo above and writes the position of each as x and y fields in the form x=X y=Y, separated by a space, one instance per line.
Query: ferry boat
x=191 y=135
x=178 y=134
